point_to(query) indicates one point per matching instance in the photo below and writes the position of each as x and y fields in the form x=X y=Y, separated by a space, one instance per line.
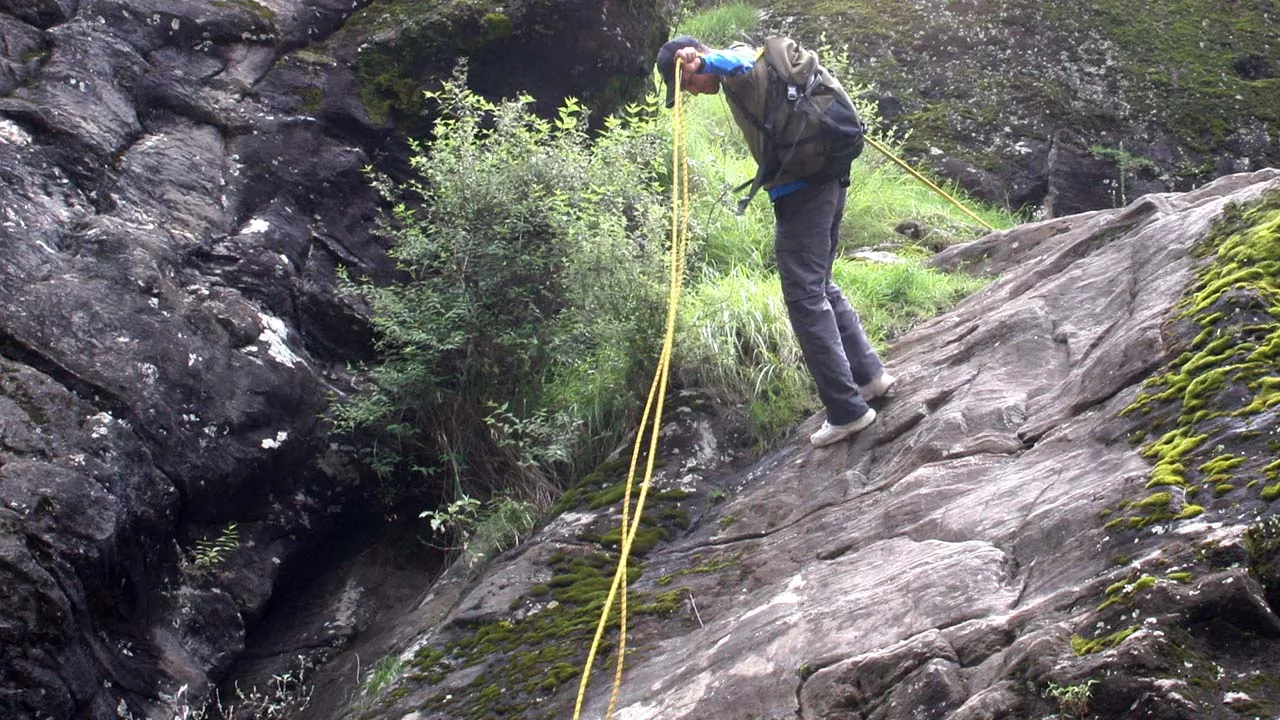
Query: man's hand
x=689 y=56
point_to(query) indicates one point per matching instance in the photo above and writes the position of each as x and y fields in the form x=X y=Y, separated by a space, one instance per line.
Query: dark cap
x=667 y=63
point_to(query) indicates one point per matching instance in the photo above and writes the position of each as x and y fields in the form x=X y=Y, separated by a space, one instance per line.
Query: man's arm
x=719 y=62
x=727 y=62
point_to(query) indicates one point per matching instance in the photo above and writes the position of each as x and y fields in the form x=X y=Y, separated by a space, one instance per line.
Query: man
x=843 y=364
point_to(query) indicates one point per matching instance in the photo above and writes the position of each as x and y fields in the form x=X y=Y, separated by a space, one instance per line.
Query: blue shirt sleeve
x=727 y=62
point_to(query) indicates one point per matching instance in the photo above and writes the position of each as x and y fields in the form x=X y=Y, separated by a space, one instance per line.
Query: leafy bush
x=530 y=298
x=474 y=531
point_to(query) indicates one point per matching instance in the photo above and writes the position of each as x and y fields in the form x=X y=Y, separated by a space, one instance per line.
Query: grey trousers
x=835 y=348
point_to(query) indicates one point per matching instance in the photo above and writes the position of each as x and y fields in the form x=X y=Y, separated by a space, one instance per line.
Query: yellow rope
x=652 y=408
x=887 y=153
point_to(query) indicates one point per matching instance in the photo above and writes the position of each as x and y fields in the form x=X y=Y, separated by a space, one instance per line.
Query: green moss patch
x=602 y=486
x=1212 y=411
x=1125 y=591
x=404 y=46
x=543 y=646
x=527 y=658
x=1085 y=646
x=704 y=565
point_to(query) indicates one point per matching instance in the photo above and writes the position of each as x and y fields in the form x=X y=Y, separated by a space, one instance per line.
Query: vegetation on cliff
x=527 y=325
x=1172 y=85
x=517 y=345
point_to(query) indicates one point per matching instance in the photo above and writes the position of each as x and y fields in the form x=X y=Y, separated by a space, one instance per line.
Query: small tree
x=530 y=301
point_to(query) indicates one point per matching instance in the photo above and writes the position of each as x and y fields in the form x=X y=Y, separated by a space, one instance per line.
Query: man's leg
x=802 y=245
x=864 y=363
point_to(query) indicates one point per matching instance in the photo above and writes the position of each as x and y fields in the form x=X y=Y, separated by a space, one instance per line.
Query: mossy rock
x=1220 y=392
x=1171 y=94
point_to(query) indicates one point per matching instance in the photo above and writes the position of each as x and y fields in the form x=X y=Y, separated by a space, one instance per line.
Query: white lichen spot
x=175 y=24
x=149 y=372
x=790 y=596
x=1235 y=698
x=11 y=133
x=256 y=225
x=101 y=424
x=277 y=441
x=273 y=336
x=192 y=359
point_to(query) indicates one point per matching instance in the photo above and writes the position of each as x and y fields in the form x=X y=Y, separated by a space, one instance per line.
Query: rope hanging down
x=652 y=410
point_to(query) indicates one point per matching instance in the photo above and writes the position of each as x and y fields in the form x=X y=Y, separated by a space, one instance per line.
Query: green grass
x=735 y=340
x=722 y=24
x=375 y=682
x=891 y=298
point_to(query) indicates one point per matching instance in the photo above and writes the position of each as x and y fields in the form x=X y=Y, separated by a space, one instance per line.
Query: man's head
x=667 y=62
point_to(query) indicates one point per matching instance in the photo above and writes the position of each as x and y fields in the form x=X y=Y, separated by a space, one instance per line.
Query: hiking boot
x=878 y=387
x=829 y=433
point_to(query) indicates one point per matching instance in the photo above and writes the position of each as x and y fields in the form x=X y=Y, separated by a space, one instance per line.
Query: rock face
x=180 y=181
x=1068 y=106
x=950 y=562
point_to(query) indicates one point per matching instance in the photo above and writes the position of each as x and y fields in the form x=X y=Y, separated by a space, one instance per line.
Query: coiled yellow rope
x=652 y=409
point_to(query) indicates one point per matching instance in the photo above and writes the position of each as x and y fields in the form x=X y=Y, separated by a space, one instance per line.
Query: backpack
x=808 y=124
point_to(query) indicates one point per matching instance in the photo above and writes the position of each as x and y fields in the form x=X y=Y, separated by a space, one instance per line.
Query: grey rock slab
x=750 y=664
x=973 y=499
x=86 y=88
